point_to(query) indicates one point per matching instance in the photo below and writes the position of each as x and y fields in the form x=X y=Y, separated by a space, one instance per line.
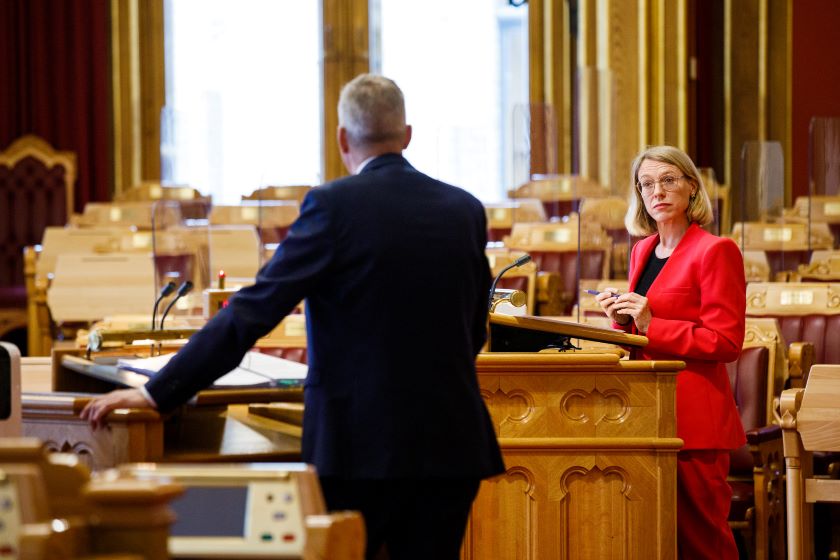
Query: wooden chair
x=824 y=267
x=64 y=513
x=785 y=245
x=502 y=215
x=36 y=190
x=555 y=248
x=143 y=215
x=192 y=204
x=756 y=267
x=609 y=213
x=560 y=194
x=523 y=278
x=806 y=311
x=294 y=193
x=756 y=469
x=810 y=422
x=271 y=218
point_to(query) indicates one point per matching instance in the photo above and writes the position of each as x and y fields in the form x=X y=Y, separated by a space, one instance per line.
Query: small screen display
x=211 y=511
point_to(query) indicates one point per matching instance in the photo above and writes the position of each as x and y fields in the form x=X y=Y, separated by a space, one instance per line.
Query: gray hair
x=372 y=110
x=699 y=210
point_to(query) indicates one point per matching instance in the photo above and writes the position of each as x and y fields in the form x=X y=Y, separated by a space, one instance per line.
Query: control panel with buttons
x=10 y=519
x=237 y=511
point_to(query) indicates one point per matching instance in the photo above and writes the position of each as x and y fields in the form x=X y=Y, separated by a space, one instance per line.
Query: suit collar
x=647 y=245
x=385 y=160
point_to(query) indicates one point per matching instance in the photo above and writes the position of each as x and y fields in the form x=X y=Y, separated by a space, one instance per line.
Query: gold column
x=588 y=91
x=550 y=84
x=621 y=53
x=668 y=72
x=344 y=26
x=137 y=89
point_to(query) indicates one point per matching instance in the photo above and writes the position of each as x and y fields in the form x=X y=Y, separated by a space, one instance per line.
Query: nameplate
x=778 y=234
x=558 y=236
x=500 y=214
x=796 y=297
x=831 y=209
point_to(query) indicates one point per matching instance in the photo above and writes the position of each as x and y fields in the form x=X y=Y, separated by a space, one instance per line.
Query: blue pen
x=596 y=292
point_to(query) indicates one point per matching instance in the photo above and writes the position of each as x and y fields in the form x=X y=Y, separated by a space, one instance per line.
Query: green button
x=266 y=537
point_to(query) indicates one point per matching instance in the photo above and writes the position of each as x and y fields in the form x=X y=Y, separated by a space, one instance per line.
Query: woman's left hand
x=635 y=306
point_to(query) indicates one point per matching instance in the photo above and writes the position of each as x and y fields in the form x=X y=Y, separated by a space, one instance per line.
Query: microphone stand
x=183 y=290
x=515 y=264
x=165 y=291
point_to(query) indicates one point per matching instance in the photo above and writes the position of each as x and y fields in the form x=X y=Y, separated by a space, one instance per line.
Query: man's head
x=371 y=119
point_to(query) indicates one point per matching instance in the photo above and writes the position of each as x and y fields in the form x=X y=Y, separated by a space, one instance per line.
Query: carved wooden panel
x=590 y=452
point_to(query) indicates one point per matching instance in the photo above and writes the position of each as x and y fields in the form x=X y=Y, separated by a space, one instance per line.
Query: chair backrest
x=554 y=248
x=286 y=192
x=502 y=215
x=756 y=267
x=824 y=267
x=786 y=244
x=140 y=214
x=757 y=378
x=192 y=203
x=272 y=218
x=806 y=311
x=36 y=191
x=560 y=194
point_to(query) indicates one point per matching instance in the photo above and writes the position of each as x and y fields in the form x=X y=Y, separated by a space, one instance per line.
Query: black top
x=649 y=274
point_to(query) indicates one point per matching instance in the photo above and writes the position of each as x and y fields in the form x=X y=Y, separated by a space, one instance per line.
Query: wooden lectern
x=589 y=441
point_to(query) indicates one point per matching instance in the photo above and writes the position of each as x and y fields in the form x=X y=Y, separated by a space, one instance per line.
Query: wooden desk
x=217 y=427
x=591 y=451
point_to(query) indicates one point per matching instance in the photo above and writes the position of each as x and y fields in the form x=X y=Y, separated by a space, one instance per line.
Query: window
x=463 y=67
x=243 y=95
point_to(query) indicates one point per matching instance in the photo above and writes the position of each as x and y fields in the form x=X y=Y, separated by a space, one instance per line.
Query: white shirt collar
x=362 y=165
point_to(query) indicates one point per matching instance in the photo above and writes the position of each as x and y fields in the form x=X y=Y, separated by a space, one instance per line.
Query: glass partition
x=769 y=237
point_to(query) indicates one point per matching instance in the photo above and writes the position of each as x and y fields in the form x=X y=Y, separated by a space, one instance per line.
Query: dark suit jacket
x=392 y=266
x=698 y=303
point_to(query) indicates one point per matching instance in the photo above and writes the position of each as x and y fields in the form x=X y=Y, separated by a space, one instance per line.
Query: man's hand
x=96 y=410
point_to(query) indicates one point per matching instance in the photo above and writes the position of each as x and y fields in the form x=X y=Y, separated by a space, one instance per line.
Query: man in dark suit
x=393 y=420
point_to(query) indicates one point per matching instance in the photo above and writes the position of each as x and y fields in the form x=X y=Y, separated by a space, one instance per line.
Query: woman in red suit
x=687 y=295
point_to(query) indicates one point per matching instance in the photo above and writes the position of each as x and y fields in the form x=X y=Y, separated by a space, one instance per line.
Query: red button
x=289 y=537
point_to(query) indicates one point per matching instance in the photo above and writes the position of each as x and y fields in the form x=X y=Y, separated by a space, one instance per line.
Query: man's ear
x=407 y=139
x=343 y=144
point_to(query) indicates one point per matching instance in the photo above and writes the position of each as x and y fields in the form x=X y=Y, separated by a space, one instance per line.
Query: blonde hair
x=637 y=220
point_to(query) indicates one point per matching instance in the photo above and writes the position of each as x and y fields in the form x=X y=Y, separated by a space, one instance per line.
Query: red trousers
x=703 y=498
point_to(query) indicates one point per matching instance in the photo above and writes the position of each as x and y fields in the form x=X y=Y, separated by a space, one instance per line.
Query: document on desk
x=255 y=370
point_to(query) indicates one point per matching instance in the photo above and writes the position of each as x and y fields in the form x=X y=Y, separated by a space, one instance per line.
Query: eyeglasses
x=668 y=183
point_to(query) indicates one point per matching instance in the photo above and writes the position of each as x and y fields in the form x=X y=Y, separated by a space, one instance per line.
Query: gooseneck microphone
x=183 y=290
x=515 y=264
x=164 y=291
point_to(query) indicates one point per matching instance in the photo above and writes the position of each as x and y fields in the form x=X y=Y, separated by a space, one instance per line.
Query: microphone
x=526 y=258
x=183 y=290
x=164 y=291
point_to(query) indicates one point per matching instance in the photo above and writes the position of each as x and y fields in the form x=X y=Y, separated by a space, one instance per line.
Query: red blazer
x=698 y=304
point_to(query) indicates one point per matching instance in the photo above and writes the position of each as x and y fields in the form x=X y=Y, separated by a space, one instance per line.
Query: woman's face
x=665 y=190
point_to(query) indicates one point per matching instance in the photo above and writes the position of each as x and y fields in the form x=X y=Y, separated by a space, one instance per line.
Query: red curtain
x=54 y=82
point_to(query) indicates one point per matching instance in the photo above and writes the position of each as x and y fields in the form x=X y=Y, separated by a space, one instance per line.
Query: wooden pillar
x=344 y=25
x=137 y=90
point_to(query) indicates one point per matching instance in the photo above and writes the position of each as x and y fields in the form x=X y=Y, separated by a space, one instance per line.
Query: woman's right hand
x=606 y=300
